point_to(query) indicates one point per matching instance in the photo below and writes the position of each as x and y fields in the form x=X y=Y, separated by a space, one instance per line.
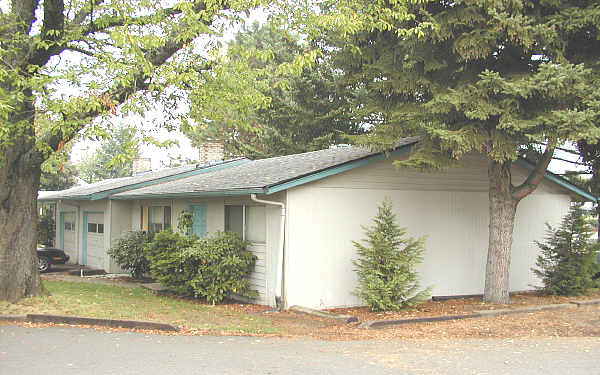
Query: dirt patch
x=576 y=322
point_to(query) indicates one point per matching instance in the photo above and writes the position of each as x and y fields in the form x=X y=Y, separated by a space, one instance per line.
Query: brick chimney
x=141 y=165
x=211 y=151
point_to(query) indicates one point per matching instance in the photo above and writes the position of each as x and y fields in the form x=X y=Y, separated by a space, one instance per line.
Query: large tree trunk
x=502 y=207
x=19 y=181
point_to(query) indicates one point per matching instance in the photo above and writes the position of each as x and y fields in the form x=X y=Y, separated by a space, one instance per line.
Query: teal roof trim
x=337 y=169
x=560 y=181
x=200 y=194
x=107 y=193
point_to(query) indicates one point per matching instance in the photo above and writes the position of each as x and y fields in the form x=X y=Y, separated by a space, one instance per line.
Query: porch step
x=86 y=272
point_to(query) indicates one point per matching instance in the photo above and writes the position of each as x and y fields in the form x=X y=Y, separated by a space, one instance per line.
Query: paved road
x=67 y=350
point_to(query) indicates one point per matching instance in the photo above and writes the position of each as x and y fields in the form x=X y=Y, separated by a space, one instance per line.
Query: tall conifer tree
x=472 y=76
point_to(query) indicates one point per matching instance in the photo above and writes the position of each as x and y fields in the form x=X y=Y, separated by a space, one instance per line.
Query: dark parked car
x=48 y=256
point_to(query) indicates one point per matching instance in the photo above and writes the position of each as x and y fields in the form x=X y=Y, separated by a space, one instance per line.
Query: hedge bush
x=212 y=267
x=130 y=255
x=167 y=266
x=223 y=266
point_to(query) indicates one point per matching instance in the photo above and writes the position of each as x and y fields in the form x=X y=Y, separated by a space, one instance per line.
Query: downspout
x=279 y=282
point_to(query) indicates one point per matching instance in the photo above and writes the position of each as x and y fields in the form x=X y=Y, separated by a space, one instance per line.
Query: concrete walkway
x=68 y=350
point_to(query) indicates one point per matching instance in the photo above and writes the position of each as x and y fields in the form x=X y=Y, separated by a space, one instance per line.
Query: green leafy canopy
x=78 y=63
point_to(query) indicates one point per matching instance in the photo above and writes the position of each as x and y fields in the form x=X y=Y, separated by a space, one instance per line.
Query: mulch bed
x=460 y=306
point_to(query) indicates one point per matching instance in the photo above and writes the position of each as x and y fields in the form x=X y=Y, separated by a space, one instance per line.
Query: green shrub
x=568 y=260
x=223 y=266
x=46 y=228
x=211 y=268
x=185 y=220
x=386 y=263
x=165 y=253
x=129 y=253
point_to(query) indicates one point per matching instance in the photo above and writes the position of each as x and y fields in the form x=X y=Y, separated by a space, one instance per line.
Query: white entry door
x=94 y=249
x=69 y=241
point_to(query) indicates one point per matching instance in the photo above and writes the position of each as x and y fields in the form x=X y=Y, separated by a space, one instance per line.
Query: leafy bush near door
x=167 y=266
x=568 y=261
x=387 y=279
x=212 y=267
x=223 y=265
x=130 y=255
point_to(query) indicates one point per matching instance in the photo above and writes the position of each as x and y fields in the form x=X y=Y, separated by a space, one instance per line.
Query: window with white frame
x=250 y=222
x=95 y=228
x=159 y=218
x=69 y=221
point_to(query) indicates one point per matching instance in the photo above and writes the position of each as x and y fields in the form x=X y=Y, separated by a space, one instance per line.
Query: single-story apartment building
x=301 y=213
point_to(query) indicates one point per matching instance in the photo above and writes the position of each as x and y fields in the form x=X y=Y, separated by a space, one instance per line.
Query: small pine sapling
x=387 y=279
x=568 y=263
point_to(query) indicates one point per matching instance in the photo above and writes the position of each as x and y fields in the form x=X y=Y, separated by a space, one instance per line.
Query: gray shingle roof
x=258 y=174
x=114 y=185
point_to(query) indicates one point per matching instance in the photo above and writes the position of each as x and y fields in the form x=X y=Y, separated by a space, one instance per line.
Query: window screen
x=234 y=221
x=159 y=218
x=253 y=228
x=69 y=219
x=256 y=225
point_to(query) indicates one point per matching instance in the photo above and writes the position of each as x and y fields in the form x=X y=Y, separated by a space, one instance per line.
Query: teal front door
x=198 y=219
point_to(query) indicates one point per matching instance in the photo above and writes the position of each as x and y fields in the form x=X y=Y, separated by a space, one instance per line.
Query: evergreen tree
x=308 y=110
x=568 y=261
x=387 y=279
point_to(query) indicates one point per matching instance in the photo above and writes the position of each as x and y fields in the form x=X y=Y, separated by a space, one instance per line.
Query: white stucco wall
x=449 y=207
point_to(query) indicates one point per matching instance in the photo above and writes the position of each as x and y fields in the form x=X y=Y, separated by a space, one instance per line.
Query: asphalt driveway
x=69 y=350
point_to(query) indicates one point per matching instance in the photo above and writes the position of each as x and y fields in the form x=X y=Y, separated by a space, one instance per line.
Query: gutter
x=279 y=281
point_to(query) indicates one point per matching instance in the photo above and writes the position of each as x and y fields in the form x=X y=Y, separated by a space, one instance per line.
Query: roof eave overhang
x=559 y=181
x=195 y=194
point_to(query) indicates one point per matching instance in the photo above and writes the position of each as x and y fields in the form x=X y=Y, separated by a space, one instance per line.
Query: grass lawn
x=104 y=301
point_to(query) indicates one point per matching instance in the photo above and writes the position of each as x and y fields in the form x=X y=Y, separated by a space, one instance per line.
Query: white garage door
x=95 y=241
x=70 y=235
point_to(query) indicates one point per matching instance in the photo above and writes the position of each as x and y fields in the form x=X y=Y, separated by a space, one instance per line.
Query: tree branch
x=535 y=177
x=108 y=22
x=54 y=19
x=24 y=11
x=84 y=13
x=79 y=50
x=52 y=31
x=120 y=94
